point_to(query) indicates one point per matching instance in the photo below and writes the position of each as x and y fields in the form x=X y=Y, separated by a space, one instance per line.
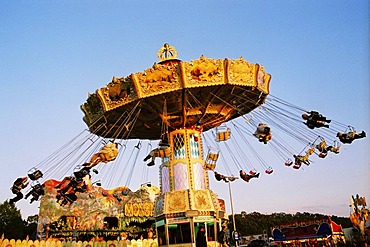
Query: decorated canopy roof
x=177 y=94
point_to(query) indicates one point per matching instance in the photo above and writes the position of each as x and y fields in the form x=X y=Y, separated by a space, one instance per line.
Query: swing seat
x=322 y=155
x=218 y=176
x=151 y=163
x=245 y=177
x=263 y=137
x=310 y=151
x=321 y=146
x=147 y=157
x=162 y=153
x=223 y=135
x=252 y=172
x=212 y=156
x=34 y=174
x=335 y=150
x=297 y=166
x=210 y=167
x=288 y=163
x=81 y=173
x=269 y=170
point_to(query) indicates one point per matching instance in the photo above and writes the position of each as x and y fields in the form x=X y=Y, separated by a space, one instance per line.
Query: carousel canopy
x=176 y=94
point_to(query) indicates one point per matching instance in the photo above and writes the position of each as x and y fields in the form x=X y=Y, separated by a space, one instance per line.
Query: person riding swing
x=18 y=185
x=263 y=133
x=348 y=138
x=36 y=192
x=315 y=120
x=163 y=150
x=246 y=177
x=220 y=177
x=108 y=153
x=299 y=159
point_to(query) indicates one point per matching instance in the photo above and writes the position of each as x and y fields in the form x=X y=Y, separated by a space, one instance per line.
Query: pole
x=232 y=211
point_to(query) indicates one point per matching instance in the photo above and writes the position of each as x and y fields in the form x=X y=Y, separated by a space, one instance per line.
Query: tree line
x=256 y=223
x=12 y=226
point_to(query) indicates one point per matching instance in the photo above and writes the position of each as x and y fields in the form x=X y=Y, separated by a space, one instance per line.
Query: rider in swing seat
x=289 y=162
x=220 y=177
x=323 y=149
x=263 y=133
x=163 y=151
x=299 y=159
x=315 y=120
x=246 y=177
x=18 y=185
x=36 y=192
x=108 y=153
x=334 y=149
x=73 y=184
x=348 y=138
x=310 y=151
x=297 y=165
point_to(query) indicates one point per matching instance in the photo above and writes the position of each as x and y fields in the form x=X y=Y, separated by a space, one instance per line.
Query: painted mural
x=95 y=209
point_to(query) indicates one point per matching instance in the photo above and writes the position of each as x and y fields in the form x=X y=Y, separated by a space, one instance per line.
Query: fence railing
x=58 y=243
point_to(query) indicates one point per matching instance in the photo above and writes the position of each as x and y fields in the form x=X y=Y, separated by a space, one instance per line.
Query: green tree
x=255 y=223
x=31 y=226
x=345 y=222
x=11 y=223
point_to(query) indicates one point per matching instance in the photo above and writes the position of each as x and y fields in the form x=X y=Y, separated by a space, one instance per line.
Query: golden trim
x=137 y=86
x=102 y=100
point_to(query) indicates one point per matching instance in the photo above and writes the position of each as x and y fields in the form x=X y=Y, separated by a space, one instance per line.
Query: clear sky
x=53 y=53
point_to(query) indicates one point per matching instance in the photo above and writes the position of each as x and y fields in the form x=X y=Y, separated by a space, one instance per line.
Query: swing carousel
x=189 y=110
x=174 y=102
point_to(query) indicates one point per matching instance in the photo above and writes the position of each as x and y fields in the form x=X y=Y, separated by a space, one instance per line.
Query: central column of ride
x=186 y=204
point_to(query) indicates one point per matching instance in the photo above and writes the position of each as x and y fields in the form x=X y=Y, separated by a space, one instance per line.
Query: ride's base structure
x=97 y=213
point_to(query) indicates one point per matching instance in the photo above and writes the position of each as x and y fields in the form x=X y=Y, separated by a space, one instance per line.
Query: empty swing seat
x=212 y=157
x=223 y=134
x=34 y=174
x=269 y=170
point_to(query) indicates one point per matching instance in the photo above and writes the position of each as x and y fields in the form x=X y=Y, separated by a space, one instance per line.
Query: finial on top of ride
x=167 y=52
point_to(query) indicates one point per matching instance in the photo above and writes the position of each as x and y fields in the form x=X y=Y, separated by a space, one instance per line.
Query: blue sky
x=53 y=53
